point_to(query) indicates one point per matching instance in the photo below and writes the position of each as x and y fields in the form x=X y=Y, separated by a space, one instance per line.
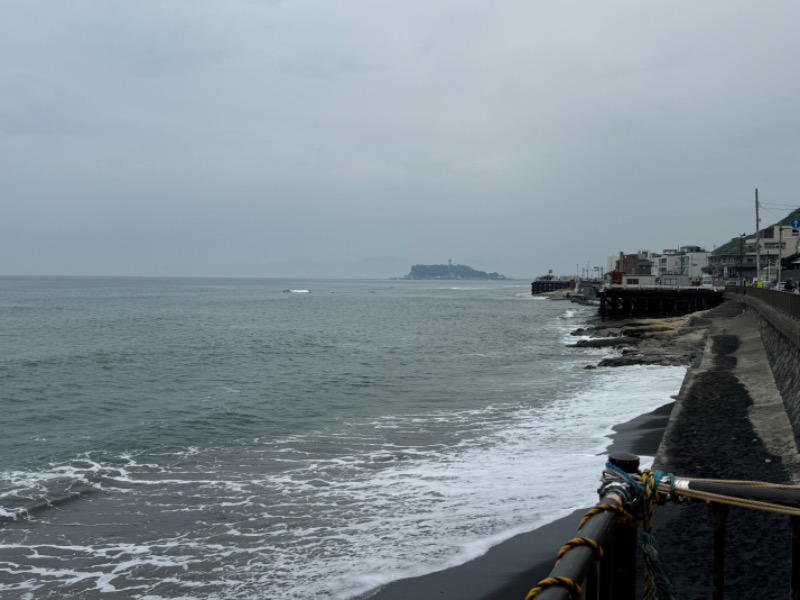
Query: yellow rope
x=624 y=516
x=582 y=541
x=651 y=497
x=574 y=589
x=656 y=493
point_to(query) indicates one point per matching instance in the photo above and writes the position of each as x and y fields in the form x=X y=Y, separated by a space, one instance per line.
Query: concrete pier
x=633 y=303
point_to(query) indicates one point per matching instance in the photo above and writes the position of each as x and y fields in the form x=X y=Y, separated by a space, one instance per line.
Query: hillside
x=732 y=247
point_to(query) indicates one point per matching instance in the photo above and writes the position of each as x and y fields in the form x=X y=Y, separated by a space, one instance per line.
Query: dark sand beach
x=510 y=569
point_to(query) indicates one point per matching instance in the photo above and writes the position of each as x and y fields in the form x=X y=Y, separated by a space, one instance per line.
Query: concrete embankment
x=737 y=416
x=781 y=335
x=729 y=422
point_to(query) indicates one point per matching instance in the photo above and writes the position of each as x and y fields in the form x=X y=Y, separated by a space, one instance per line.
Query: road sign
x=795 y=223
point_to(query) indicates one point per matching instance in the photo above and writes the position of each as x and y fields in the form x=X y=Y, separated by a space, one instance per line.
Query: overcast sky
x=355 y=138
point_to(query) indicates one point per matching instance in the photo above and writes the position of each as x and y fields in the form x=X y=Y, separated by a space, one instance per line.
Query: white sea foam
x=343 y=505
x=431 y=508
x=341 y=524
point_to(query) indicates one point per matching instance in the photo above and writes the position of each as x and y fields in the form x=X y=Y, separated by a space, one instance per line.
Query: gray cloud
x=250 y=138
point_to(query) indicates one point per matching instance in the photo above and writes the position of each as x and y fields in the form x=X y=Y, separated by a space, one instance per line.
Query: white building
x=776 y=242
x=690 y=261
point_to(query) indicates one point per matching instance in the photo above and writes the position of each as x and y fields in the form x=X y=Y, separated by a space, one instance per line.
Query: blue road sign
x=795 y=223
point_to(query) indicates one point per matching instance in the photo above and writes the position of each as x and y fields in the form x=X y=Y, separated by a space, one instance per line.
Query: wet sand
x=510 y=569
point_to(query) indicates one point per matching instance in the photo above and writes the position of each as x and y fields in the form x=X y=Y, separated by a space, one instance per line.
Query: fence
x=785 y=302
x=600 y=563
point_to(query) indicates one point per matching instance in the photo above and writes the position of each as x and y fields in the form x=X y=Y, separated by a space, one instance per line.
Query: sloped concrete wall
x=781 y=336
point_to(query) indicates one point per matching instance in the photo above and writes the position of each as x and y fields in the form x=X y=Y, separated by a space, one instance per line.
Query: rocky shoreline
x=673 y=341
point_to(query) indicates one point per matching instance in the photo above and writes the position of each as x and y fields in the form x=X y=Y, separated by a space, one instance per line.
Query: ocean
x=278 y=439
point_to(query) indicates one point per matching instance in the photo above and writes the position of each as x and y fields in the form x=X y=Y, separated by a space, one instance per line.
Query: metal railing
x=786 y=302
x=614 y=575
x=584 y=572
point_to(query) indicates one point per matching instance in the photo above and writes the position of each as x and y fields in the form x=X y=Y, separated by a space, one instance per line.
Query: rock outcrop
x=669 y=341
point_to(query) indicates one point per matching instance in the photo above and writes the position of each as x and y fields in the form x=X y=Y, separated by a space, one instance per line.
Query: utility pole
x=758 y=243
x=741 y=259
x=780 y=249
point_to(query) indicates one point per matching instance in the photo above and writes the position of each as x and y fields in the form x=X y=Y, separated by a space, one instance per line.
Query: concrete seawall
x=781 y=336
x=730 y=422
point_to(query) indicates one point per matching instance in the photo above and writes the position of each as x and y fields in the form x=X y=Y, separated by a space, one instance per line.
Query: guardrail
x=786 y=302
x=605 y=575
x=600 y=562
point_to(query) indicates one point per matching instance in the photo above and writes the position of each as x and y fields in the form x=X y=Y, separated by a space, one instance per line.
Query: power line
x=774 y=205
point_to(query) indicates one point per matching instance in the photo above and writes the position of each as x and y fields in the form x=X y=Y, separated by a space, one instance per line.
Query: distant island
x=450 y=271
